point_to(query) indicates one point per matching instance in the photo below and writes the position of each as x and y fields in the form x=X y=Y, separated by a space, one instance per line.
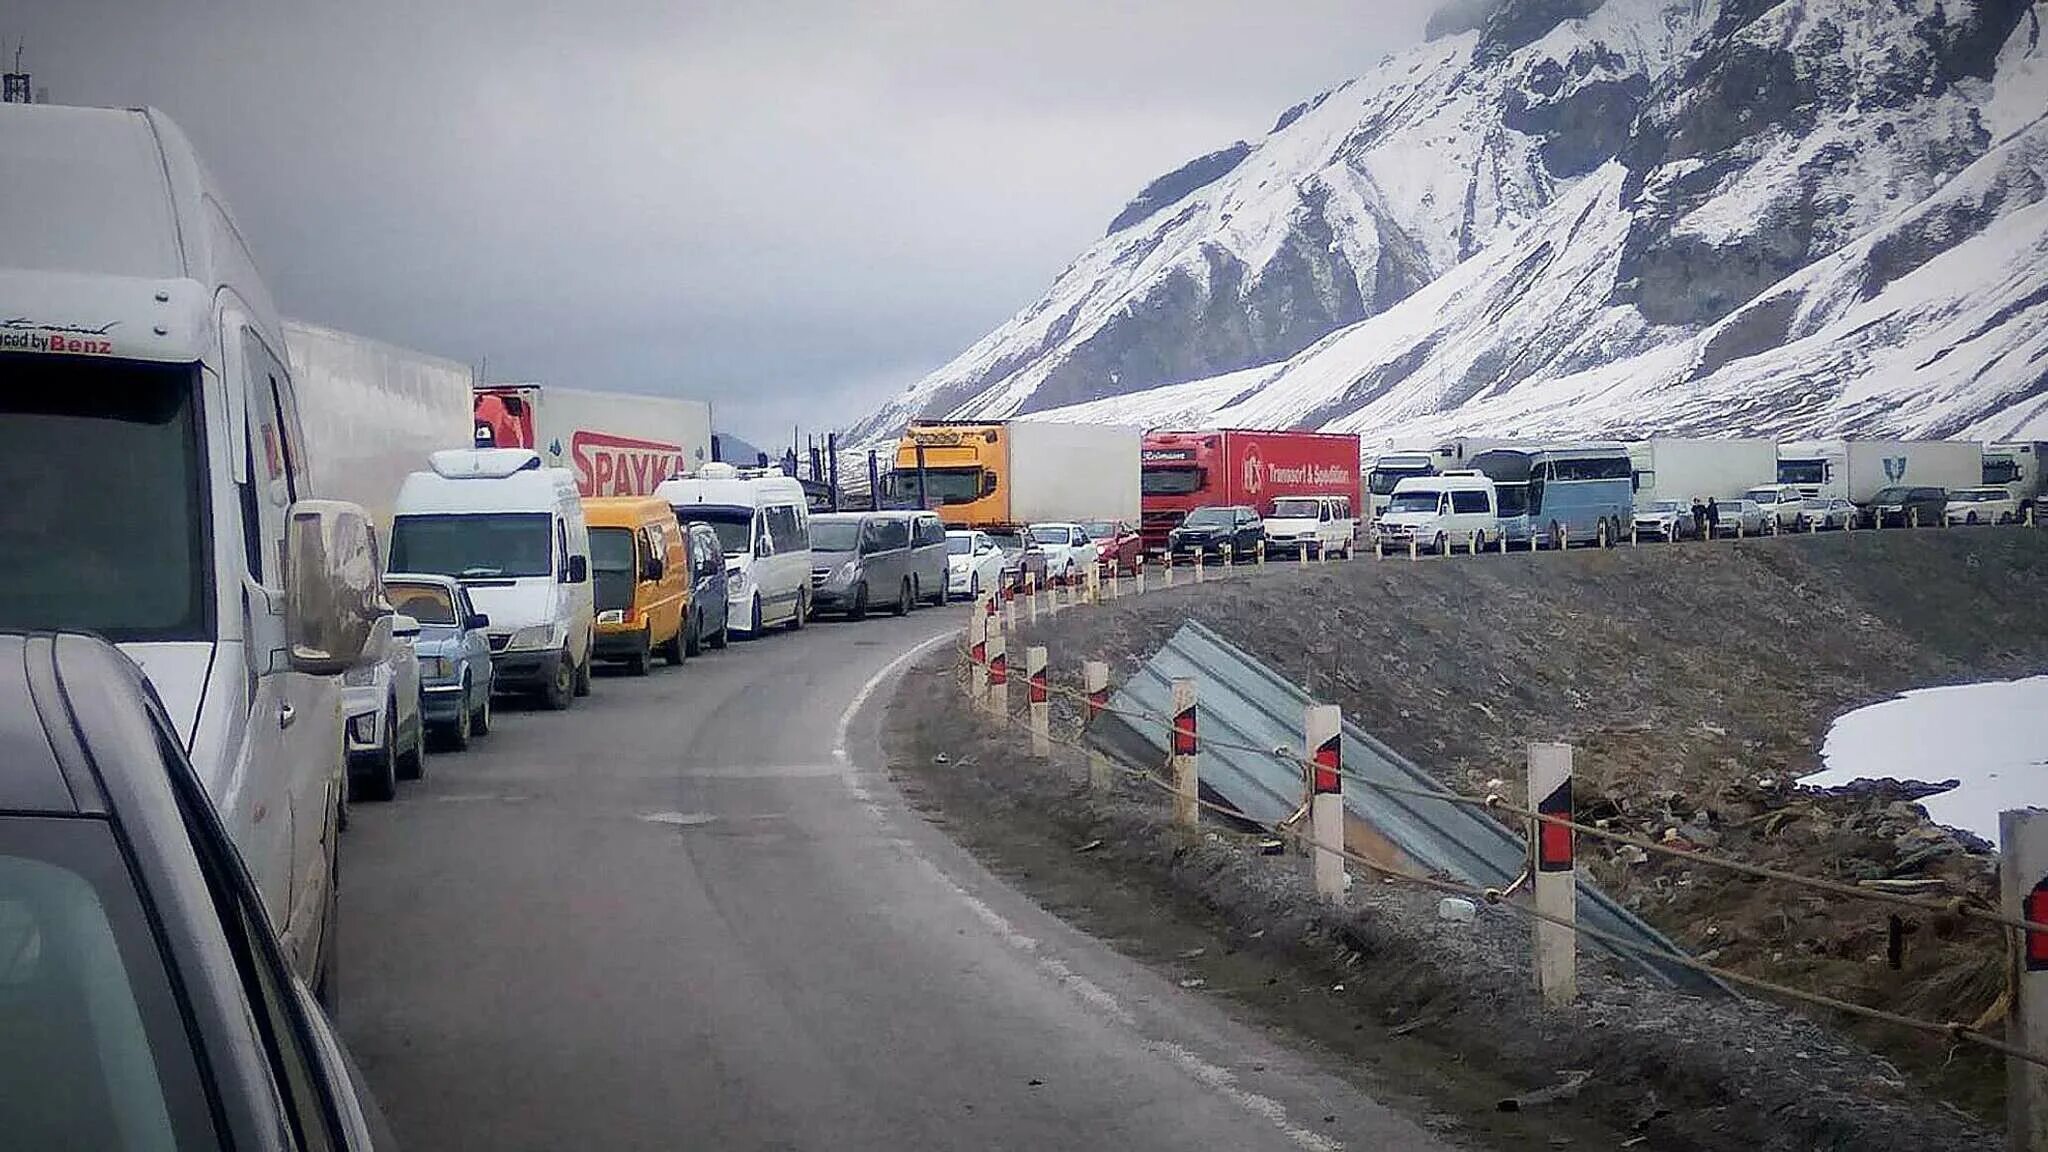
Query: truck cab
x=161 y=494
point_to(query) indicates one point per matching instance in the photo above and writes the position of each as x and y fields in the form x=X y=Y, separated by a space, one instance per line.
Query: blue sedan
x=454 y=653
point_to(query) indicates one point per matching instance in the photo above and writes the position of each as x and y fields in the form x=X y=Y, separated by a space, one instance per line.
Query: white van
x=1441 y=513
x=158 y=486
x=1320 y=525
x=764 y=523
x=513 y=532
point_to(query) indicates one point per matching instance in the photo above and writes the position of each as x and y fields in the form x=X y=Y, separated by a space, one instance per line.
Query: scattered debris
x=1563 y=1090
x=1457 y=910
x=1193 y=982
x=1090 y=846
x=1193 y=953
x=942 y=758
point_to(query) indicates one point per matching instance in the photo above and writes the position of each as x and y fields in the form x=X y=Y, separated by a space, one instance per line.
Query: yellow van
x=641 y=577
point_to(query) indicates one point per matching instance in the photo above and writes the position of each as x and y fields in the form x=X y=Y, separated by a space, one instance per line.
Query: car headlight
x=535 y=636
x=847 y=573
x=360 y=677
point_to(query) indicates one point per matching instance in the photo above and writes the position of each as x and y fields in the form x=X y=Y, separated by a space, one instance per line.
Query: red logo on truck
x=620 y=466
x=1254 y=472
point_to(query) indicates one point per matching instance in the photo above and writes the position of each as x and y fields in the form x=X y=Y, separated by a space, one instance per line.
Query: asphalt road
x=693 y=913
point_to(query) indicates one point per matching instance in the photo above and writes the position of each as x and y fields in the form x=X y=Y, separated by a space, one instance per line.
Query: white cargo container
x=1071 y=472
x=2018 y=468
x=617 y=444
x=373 y=413
x=1684 y=470
x=1856 y=470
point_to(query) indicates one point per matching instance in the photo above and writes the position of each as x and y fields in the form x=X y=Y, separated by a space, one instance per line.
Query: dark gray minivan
x=927 y=558
x=859 y=559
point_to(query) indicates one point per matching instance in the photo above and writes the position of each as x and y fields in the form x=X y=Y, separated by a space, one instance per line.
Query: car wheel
x=412 y=764
x=720 y=638
x=906 y=597
x=859 y=609
x=381 y=783
x=1438 y=545
x=480 y=716
x=974 y=585
x=455 y=737
x=561 y=689
x=754 y=615
x=1970 y=518
x=689 y=641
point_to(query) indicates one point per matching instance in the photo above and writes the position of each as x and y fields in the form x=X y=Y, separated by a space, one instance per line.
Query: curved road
x=693 y=913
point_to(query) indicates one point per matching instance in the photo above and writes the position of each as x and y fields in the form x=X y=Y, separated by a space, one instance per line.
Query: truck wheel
x=1558 y=539
x=859 y=611
x=1600 y=537
x=905 y=597
x=561 y=688
x=583 y=673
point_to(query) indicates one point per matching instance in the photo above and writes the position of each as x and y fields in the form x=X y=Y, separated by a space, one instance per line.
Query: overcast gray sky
x=789 y=209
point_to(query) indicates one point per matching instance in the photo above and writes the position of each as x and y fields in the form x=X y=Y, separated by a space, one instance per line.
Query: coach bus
x=1556 y=496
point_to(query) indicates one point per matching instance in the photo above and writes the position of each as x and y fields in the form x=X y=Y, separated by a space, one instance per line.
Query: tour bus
x=159 y=491
x=763 y=522
x=1556 y=496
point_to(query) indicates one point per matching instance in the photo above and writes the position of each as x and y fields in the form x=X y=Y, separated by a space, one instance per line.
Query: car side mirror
x=404 y=627
x=761 y=548
x=336 y=615
x=654 y=569
x=477 y=620
x=579 y=570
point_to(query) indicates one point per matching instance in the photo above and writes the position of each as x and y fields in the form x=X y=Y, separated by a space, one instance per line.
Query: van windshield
x=1424 y=501
x=735 y=526
x=105 y=521
x=1296 y=508
x=474 y=545
x=834 y=535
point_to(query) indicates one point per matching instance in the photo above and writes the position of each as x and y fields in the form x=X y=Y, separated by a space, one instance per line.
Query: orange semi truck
x=1006 y=473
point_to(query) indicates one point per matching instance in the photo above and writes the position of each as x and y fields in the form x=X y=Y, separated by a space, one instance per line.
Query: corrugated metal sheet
x=1241 y=701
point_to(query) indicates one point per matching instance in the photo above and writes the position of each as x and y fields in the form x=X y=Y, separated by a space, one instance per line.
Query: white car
x=973 y=562
x=380 y=708
x=1320 y=524
x=1439 y=513
x=1743 y=517
x=1068 y=550
x=1825 y=512
x=1780 y=502
x=1982 y=506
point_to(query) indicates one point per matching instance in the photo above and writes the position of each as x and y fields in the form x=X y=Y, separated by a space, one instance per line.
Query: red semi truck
x=1186 y=470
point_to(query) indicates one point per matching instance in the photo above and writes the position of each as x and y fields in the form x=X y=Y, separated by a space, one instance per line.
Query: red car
x=1120 y=544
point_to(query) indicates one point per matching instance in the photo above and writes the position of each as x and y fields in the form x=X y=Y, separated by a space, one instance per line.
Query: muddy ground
x=1696 y=682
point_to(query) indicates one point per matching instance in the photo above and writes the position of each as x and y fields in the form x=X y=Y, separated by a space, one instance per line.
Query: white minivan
x=513 y=532
x=1320 y=525
x=158 y=486
x=1442 y=513
x=763 y=522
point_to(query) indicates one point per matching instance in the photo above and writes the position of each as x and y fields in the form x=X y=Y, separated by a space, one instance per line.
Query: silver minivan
x=928 y=564
x=861 y=559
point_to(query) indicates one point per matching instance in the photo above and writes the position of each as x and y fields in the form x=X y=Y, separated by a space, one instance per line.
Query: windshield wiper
x=468 y=573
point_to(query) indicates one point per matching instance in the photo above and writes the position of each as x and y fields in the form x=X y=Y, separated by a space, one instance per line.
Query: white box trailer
x=373 y=413
x=617 y=443
x=1685 y=470
x=1074 y=471
x=1857 y=470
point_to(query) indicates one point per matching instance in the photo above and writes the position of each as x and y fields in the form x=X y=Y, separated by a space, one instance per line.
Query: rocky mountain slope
x=1636 y=216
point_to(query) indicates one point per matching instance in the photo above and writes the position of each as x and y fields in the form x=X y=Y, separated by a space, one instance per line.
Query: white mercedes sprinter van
x=513 y=532
x=764 y=523
x=158 y=484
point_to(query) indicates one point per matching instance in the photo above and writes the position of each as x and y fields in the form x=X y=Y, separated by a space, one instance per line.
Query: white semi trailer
x=1686 y=470
x=373 y=413
x=1857 y=470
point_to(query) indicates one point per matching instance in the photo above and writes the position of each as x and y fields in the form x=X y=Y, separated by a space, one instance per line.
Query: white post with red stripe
x=2023 y=885
x=998 y=674
x=1031 y=596
x=1201 y=564
x=1556 y=888
x=1166 y=578
x=977 y=654
x=1041 y=702
x=991 y=616
x=1323 y=736
x=1095 y=682
x=1187 y=778
x=1009 y=607
x=1116 y=589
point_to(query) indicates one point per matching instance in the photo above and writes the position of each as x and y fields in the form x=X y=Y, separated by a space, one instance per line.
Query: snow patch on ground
x=1990 y=738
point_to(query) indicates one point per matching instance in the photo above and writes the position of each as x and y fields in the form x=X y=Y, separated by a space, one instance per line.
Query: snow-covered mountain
x=1571 y=217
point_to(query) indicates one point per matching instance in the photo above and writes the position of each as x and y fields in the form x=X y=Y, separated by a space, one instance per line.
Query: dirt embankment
x=1696 y=682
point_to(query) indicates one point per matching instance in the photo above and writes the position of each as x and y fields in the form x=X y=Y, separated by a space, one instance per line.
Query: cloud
x=790 y=209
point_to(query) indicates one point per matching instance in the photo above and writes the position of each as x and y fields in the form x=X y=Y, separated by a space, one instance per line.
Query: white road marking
x=1219 y=1079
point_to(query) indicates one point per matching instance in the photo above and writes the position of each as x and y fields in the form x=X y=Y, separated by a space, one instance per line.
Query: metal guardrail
x=1243 y=702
